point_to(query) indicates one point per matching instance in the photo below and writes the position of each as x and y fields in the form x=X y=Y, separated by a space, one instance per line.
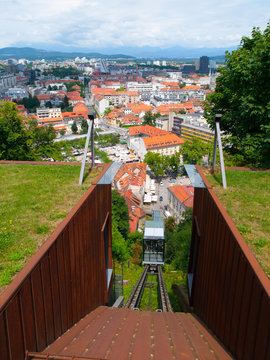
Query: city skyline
x=83 y=25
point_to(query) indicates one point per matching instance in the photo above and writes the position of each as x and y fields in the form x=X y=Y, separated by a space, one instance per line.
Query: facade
x=188 y=129
x=7 y=81
x=165 y=122
x=49 y=113
x=17 y=93
x=180 y=199
x=149 y=138
x=204 y=65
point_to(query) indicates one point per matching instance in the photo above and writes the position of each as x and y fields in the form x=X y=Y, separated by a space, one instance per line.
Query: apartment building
x=7 y=81
x=116 y=98
x=189 y=128
x=148 y=138
x=180 y=199
x=49 y=113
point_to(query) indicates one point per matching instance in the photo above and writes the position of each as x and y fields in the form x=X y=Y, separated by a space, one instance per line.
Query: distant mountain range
x=145 y=52
x=35 y=54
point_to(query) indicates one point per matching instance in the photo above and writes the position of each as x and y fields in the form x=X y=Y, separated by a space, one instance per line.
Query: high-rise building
x=204 y=65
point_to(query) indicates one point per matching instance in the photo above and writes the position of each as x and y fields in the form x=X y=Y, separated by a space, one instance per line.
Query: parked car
x=161 y=198
x=161 y=183
x=172 y=180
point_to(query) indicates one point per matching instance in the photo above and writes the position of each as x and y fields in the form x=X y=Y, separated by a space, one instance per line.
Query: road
x=162 y=190
x=70 y=137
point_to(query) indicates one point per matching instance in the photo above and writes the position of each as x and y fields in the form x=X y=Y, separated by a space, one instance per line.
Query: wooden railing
x=230 y=292
x=62 y=282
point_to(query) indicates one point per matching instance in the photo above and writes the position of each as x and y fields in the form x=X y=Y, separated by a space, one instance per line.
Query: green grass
x=33 y=201
x=247 y=201
x=132 y=275
x=154 y=301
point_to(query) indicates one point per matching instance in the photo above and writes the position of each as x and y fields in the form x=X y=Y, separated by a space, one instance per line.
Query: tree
x=154 y=161
x=149 y=119
x=120 y=214
x=48 y=104
x=31 y=103
x=15 y=140
x=74 y=127
x=194 y=151
x=242 y=96
x=178 y=242
x=43 y=145
x=174 y=162
x=62 y=132
x=119 y=245
x=84 y=126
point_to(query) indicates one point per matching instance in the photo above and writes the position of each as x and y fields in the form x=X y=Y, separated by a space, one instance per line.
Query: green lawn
x=247 y=201
x=33 y=201
x=132 y=275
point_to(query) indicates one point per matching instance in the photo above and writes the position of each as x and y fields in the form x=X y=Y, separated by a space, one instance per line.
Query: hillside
x=35 y=54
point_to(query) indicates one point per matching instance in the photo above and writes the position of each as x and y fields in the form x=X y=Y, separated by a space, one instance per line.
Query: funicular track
x=134 y=300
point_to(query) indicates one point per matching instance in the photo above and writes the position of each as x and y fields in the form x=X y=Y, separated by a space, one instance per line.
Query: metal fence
x=228 y=288
x=62 y=282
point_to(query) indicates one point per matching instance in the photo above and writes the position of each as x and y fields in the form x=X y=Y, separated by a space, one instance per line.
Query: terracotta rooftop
x=162 y=141
x=112 y=333
x=147 y=130
x=183 y=193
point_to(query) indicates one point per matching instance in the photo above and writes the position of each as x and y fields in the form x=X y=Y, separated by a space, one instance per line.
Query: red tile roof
x=43 y=97
x=146 y=130
x=51 y=120
x=184 y=194
x=161 y=141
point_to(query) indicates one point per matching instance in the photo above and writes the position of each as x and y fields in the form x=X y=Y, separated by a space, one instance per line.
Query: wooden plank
x=62 y=283
x=72 y=271
x=48 y=302
x=27 y=315
x=81 y=251
x=263 y=330
x=214 y=269
x=14 y=330
x=66 y=254
x=4 y=349
x=253 y=318
x=231 y=296
x=38 y=301
x=55 y=292
x=244 y=311
x=237 y=304
x=218 y=306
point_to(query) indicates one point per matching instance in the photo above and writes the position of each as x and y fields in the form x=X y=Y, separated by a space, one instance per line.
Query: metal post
x=215 y=150
x=218 y=140
x=90 y=127
x=92 y=142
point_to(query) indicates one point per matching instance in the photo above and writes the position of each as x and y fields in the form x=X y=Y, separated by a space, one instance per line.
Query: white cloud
x=103 y=23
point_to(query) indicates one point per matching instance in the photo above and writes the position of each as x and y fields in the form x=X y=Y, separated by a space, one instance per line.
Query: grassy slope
x=133 y=273
x=33 y=200
x=247 y=201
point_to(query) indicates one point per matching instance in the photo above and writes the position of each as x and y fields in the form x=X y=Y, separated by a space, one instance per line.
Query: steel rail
x=135 y=298
x=163 y=295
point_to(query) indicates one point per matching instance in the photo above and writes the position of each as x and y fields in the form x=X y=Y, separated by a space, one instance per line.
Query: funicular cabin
x=154 y=241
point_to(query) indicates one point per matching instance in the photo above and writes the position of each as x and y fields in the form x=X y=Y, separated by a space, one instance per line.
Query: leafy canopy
x=194 y=151
x=242 y=96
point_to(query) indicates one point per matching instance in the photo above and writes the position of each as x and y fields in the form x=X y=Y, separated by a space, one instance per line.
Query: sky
x=92 y=24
